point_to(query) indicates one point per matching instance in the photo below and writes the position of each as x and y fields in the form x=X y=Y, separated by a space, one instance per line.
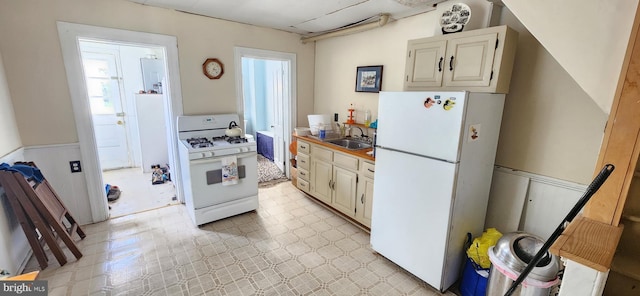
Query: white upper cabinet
x=425 y=62
x=479 y=61
x=470 y=60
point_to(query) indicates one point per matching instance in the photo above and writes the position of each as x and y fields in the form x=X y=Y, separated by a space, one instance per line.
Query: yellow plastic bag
x=478 y=252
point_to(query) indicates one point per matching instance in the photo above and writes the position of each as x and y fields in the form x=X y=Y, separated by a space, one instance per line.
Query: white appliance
x=435 y=153
x=203 y=149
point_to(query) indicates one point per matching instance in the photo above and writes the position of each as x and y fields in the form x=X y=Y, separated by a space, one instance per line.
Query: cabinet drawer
x=303 y=174
x=303 y=185
x=321 y=153
x=345 y=161
x=303 y=147
x=303 y=161
x=368 y=169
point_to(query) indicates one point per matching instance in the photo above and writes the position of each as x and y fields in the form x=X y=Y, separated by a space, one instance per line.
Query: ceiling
x=305 y=17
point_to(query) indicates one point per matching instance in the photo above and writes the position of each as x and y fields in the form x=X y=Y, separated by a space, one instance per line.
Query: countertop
x=362 y=153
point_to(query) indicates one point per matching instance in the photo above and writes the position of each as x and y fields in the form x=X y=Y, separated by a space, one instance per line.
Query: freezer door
x=423 y=123
x=412 y=198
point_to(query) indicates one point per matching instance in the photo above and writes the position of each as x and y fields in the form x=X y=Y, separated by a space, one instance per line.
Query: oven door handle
x=219 y=158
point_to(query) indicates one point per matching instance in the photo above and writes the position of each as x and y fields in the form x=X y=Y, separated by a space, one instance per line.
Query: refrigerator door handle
x=415 y=154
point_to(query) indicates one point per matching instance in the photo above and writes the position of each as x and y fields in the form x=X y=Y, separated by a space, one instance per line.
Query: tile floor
x=137 y=192
x=289 y=246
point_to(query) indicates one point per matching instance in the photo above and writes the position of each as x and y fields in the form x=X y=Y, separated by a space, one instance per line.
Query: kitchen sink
x=350 y=144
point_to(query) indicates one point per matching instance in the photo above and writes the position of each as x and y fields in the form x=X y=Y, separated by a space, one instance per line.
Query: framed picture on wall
x=368 y=78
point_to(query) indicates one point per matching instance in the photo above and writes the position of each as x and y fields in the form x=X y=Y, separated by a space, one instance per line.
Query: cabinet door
x=344 y=190
x=425 y=64
x=320 y=179
x=364 y=200
x=469 y=60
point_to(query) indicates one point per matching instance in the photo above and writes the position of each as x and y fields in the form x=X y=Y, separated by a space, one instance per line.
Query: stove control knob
x=207 y=154
x=203 y=155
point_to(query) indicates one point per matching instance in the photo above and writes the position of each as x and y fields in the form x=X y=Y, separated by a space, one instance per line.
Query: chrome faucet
x=362 y=135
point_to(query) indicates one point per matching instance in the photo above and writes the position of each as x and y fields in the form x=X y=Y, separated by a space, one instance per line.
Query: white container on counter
x=319 y=121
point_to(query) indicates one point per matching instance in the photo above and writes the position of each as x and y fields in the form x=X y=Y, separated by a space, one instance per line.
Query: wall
x=588 y=38
x=36 y=73
x=9 y=131
x=337 y=59
x=550 y=126
x=13 y=243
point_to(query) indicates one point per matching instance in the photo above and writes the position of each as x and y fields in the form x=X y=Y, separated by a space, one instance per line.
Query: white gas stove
x=204 y=151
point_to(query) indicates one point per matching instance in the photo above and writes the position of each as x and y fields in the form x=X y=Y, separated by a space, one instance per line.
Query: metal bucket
x=510 y=256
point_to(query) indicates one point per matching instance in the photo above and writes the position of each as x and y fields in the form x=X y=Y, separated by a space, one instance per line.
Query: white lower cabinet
x=344 y=190
x=320 y=183
x=303 y=166
x=364 y=201
x=341 y=181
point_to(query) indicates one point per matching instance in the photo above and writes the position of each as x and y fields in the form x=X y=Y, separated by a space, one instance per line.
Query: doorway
x=71 y=36
x=127 y=108
x=266 y=92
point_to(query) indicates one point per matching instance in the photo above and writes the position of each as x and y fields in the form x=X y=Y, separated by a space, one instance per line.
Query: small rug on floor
x=268 y=173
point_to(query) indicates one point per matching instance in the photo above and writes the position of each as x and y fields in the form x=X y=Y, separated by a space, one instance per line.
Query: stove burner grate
x=199 y=142
x=231 y=140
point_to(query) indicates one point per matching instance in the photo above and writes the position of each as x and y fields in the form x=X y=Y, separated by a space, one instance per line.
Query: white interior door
x=280 y=85
x=105 y=99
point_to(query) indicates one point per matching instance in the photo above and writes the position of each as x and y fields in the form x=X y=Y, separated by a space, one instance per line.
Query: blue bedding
x=265 y=145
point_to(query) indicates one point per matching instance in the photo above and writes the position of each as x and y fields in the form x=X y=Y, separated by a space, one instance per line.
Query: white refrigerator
x=435 y=154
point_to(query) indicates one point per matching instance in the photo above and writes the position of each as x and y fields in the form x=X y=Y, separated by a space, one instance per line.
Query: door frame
x=70 y=34
x=290 y=108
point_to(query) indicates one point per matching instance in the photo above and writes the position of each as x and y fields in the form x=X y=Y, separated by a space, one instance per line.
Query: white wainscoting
x=532 y=203
x=14 y=247
x=53 y=161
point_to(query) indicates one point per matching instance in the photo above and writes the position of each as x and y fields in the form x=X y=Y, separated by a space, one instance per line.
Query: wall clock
x=213 y=68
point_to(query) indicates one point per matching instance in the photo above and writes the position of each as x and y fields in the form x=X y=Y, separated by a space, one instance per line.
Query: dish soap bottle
x=367 y=118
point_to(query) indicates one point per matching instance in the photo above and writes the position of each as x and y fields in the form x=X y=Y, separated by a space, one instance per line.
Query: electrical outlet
x=75 y=166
